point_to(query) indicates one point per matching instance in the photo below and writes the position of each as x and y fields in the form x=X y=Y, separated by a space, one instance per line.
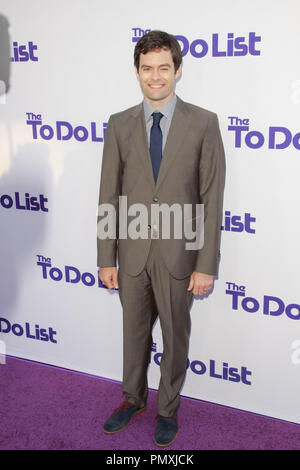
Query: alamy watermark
x=295 y=357
x=188 y=222
x=295 y=96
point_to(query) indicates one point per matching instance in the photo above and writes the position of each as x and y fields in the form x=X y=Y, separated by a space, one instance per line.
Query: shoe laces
x=125 y=405
x=166 y=418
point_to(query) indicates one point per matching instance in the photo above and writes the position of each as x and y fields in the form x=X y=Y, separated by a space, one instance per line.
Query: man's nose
x=156 y=74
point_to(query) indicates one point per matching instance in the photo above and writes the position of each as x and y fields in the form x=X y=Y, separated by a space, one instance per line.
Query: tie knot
x=156 y=118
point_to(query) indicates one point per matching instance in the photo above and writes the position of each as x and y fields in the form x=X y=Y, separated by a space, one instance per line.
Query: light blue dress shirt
x=165 y=122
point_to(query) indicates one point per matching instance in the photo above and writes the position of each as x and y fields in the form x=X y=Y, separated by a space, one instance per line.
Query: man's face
x=157 y=77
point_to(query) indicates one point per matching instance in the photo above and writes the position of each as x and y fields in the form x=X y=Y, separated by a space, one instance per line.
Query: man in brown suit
x=162 y=153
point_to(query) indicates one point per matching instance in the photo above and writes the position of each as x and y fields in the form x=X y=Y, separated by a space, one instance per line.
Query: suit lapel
x=177 y=134
x=140 y=139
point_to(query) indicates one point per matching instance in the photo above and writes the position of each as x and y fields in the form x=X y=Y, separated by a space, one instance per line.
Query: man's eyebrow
x=161 y=65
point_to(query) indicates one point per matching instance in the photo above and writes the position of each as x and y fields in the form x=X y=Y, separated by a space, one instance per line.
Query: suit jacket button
x=155 y=199
x=149 y=227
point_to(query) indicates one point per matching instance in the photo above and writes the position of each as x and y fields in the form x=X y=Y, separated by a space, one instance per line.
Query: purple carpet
x=44 y=407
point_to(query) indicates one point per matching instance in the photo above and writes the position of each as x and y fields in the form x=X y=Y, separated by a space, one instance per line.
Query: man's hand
x=109 y=277
x=200 y=283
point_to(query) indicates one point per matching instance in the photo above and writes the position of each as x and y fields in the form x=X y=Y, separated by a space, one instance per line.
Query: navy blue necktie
x=156 y=144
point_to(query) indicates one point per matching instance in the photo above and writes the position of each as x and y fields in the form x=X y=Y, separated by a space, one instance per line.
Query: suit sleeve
x=110 y=187
x=211 y=184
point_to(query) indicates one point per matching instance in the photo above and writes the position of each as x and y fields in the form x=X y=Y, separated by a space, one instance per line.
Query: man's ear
x=178 y=71
x=136 y=72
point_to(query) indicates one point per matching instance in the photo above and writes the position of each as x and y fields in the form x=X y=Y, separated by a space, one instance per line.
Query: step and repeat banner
x=70 y=67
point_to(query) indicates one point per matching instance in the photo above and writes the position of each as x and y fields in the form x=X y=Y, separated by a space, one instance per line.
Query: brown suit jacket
x=192 y=171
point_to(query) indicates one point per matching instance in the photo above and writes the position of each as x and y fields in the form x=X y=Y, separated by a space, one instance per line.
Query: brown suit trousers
x=154 y=292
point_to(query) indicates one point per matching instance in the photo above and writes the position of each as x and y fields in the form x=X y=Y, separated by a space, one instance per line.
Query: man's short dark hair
x=158 y=40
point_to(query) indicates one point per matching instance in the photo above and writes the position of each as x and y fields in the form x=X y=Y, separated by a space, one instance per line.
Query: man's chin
x=156 y=97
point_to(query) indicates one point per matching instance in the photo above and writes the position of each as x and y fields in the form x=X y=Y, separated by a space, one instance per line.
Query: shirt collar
x=166 y=110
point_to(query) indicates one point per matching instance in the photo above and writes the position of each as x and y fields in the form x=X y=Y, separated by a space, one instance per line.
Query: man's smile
x=156 y=86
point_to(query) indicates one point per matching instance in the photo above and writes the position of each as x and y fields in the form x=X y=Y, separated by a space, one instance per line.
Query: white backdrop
x=73 y=66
